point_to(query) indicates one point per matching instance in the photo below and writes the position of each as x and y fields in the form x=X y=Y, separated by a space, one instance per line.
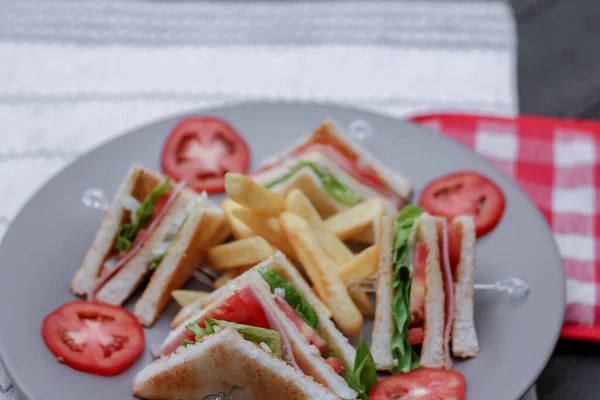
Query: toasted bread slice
x=383 y=327
x=138 y=182
x=219 y=363
x=203 y=223
x=464 y=336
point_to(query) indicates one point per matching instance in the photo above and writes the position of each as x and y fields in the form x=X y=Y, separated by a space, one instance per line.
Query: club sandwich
x=424 y=291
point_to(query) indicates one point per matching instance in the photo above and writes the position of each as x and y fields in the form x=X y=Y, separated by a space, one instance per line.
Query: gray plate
x=48 y=240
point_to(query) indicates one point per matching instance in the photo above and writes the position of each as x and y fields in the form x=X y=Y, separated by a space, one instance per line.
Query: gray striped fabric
x=74 y=74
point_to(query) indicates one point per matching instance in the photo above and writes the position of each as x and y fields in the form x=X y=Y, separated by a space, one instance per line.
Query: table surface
x=559 y=75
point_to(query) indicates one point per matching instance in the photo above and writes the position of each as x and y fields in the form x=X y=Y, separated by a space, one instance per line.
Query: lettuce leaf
x=331 y=184
x=405 y=357
x=128 y=232
x=364 y=374
x=292 y=297
x=251 y=333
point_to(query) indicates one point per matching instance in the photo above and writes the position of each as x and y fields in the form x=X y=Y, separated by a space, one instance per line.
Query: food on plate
x=239 y=230
x=353 y=221
x=238 y=253
x=465 y=193
x=296 y=202
x=422 y=383
x=334 y=173
x=273 y=295
x=267 y=227
x=420 y=294
x=362 y=265
x=185 y=297
x=228 y=361
x=248 y=193
x=93 y=337
x=323 y=273
x=151 y=228
x=201 y=150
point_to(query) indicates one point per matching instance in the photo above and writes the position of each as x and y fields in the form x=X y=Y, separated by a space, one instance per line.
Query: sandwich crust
x=220 y=362
x=384 y=324
x=464 y=335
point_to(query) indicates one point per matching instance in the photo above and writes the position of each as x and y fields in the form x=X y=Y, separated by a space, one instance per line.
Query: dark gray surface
x=559 y=75
x=49 y=238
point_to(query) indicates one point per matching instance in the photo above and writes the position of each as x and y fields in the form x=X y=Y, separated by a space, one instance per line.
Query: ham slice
x=449 y=287
x=274 y=324
x=138 y=243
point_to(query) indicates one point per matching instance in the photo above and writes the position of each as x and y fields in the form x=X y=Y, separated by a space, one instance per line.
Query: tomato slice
x=416 y=335
x=241 y=308
x=336 y=363
x=160 y=204
x=200 y=150
x=93 y=337
x=309 y=333
x=417 y=286
x=465 y=193
x=421 y=384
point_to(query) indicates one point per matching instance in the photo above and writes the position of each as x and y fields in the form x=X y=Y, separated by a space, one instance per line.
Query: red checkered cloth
x=557 y=163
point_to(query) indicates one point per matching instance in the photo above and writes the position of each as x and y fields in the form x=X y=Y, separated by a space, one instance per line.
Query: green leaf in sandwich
x=270 y=338
x=292 y=297
x=333 y=186
x=143 y=214
x=404 y=355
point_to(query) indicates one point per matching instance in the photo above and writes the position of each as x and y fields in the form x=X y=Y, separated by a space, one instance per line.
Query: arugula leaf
x=404 y=356
x=251 y=333
x=364 y=374
x=128 y=232
x=186 y=342
x=292 y=297
x=331 y=184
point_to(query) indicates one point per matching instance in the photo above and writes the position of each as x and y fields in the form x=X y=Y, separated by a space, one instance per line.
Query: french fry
x=323 y=273
x=335 y=249
x=247 y=251
x=362 y=265
x=248 y=193
x=185 y=297
x=269 y=228
x=238 y=228
x=353 y=221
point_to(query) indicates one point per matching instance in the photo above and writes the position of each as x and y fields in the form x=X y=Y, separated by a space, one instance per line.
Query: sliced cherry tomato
x=309 y=333
x=421 y=384
x=336 y=363
x=465 y=193
x=417 y=286
x=93 y=337
x=201 y=150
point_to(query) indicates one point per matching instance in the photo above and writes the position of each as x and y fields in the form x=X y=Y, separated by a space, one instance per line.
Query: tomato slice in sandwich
x=241 y=308
x=94 y=337
x=421 y=384
x=465 y=193
x=201 y=150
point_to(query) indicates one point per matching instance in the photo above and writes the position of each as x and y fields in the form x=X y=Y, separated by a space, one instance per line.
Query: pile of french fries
x=262 y=222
